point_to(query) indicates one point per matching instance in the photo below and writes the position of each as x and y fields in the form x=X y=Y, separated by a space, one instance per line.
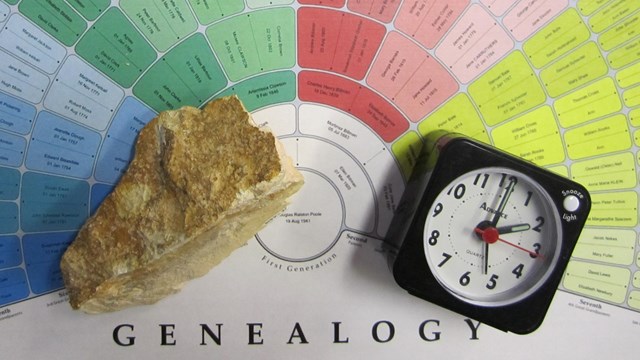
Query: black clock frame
x=445 y=157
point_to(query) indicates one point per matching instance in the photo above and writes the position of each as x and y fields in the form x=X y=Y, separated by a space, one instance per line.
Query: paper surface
x=350 y=87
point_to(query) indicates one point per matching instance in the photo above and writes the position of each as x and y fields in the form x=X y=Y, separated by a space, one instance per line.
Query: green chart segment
x=186 y=75
x=123 y=43
x=115 y=47
x=164 y=23
x=256 y=42
x=55 y=17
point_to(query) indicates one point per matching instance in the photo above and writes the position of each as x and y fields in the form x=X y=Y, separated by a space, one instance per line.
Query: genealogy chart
x=350 y=87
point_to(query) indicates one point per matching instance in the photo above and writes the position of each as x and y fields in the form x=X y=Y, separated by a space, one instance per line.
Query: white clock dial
x=491 y=237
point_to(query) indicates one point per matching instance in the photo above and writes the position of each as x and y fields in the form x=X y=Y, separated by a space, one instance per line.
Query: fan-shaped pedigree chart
x=350 y=177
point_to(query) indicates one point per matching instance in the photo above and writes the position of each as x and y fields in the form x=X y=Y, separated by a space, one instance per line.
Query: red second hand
x=491 y=235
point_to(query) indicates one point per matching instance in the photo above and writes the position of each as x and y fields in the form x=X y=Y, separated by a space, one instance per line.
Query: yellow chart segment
x=354 y=86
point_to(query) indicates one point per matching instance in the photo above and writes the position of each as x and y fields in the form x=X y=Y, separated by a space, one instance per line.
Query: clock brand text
x=492 y=210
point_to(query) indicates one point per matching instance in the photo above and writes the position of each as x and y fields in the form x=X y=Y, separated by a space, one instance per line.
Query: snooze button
x=571 y=203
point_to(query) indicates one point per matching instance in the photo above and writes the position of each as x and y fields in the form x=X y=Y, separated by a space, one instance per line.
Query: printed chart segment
x=256 y=42
x=410 y=77
x=62 y=147
x=406 y=150
x=458 y=115
x=264 y=90
x=498 y=7
x=340 y=128
x=282 y=119
x=187 y=75
x=337 y=41
x=21 y=80
x=15 y=285
x=42 y=254
x=617 y=247
x=209 y=11
x=346 y=176
x=427 y=21
x=90 y=9
x=598 y=138
x=30 y=44
x=83 y=94
x=117 y=148
x=163 y=22
x=311 y=222
x=331 y=3
x=598 y=281
x=605 y=173
x=116 y=48
x=4 y=11
x=600 y=98
x=528 y=16
x=508 y=89
x=52 y=203
x=12 y=149
x=57 y=18
x=534 y=136
x=621 y=33
x=474 y=44
x=611 y=14
x=349 y=96
x=562 y=35
x=381 y=10
x=578 y=68
x=9 y=216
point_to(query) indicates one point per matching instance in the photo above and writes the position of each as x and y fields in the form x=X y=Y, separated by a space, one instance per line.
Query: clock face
x=492 y=236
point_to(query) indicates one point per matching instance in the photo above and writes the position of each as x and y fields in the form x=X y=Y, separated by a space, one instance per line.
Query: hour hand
x=513 y=228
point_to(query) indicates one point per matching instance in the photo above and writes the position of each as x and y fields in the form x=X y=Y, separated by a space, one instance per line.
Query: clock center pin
x=490 y=235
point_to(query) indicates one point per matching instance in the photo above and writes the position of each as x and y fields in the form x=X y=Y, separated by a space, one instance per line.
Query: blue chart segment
x=351 y=88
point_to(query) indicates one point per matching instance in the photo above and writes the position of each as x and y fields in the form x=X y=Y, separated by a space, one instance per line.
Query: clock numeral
x=517 y=271
x=433 y=239
x=437 y=209
x=492 y=282
x=529 y=195
x=446 y=258
x=536 y=249
x=465 y=279
x=458 y=191
x=484 y=180
x=512 y=179
x=538 y=227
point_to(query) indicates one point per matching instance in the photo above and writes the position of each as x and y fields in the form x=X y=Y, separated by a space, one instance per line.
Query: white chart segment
x=281 y=119
x=387 y=184
x=341 y=128
x=343 y=172
x=310 y=225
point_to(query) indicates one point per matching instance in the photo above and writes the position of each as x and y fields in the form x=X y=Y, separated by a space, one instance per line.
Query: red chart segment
x=382 y=10
x=428 y=20
x=473 y=44
x=349 y=96
x=337 y=41
x=331 y=3
x=410 y=77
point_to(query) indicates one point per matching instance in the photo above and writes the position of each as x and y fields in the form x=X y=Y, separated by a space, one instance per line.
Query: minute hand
x=503 y=202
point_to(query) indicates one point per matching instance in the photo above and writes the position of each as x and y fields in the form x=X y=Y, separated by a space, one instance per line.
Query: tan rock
x=202 y=182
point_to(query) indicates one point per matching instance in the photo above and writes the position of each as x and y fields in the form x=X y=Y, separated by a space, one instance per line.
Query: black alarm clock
x=484 y=233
